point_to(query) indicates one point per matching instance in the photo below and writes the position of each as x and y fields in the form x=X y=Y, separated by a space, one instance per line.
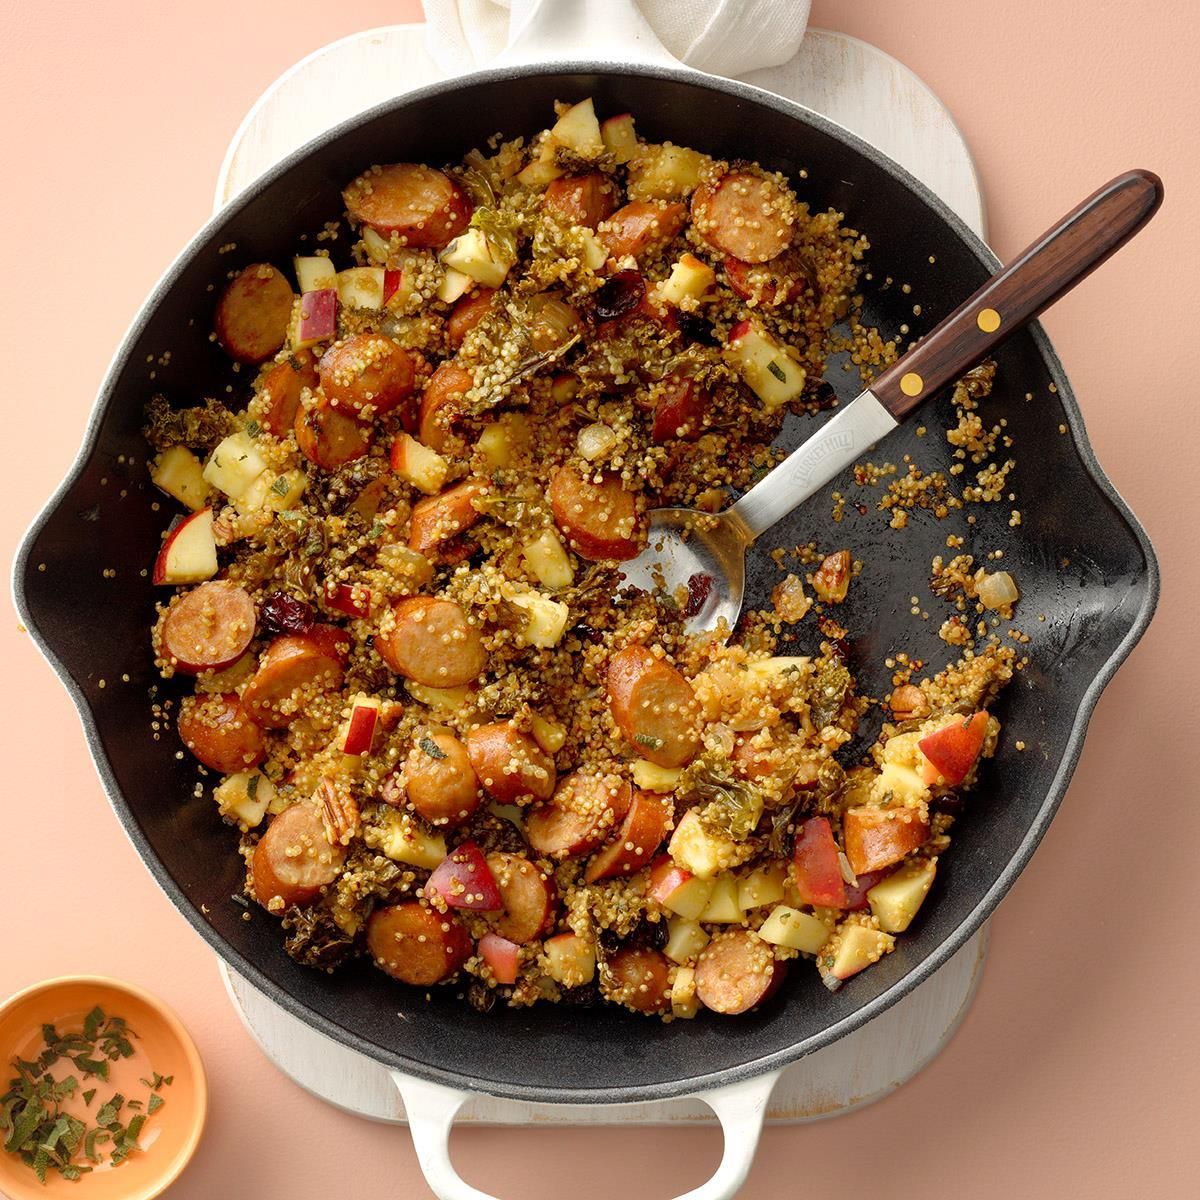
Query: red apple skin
x=391 y=283
x=738 y=331
x=318 y=315
x=953 y=749
x=159 y=575
x=360 y=733
x=466 y=867
x=665 y=879
x=502 y=956
x=815 y=865
x=352 y=601
x=856 y=894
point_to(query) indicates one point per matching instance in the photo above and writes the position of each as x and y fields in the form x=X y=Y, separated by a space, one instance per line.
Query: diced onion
x=998 y=590
x=847 y=871
x=721 y=738
x=595 y=441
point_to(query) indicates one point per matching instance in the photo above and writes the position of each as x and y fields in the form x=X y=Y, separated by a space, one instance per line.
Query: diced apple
x=360 y=729
x=686 y=939
x=619 y=137
x=189 y=555
x=684 y=1001
x=595 y=252
x=761 y=887
x=704 y=853
x=463 y=879
x=352 y=599
x=446 y=699
x=179 y=473
x=361 y=287
x=722 y=907
x=234 y=465
x=795 y=929
x=547 y=560
x=454 y=285
x=474 y=255
x=378 y=247
x=403 y=840
x=418 y=465
x=780 y=667
x=396 y=288
x=539 y=173
x=315 y=273
x=895 y=900
x=314 y=319
x=951 y=751
x=244 y=797
x=578 y=130
x=855 y=947
x=690 y=279
x=547 y=619
x=903 y=783
x=650 y=777
x=570 y=961
x=816 y=871
x=665 y=877
x=665 y=172
x=550 y=735
x=503 y=956
x=769 y=371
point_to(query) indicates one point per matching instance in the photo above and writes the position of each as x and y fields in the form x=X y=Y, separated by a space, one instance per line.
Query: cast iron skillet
x=1079 y=556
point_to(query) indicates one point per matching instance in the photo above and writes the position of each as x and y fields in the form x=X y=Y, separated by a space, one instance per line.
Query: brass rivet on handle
x=988 y=320
x=911 y=384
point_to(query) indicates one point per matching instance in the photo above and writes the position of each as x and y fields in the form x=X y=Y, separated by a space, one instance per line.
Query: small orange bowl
x=169 y=1137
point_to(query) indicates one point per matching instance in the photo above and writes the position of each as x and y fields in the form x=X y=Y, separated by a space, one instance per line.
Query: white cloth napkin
x=722 y=37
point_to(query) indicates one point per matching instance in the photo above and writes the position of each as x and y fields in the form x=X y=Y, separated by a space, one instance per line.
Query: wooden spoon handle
x=1048 y=269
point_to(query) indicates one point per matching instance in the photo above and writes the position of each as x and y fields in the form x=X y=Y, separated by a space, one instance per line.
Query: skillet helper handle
x=567 y=30
x=431 y=1109
x=1038 y=277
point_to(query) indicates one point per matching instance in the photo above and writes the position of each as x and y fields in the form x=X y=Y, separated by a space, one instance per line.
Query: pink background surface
x=1077 y=1070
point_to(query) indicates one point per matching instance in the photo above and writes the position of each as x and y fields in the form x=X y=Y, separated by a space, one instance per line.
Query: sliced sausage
x=468 y=312
x=581 y=199
x=440 y=404
x=736 y=971
x=511 y=766
x=528 y=895
x=680 y=409
x=329 y=437
x=747 y=216
x=637 y=977
x=279 y=388
x=600 y=520
x=644 y=829
x=769 y=284
x=294 y=859
x=219 y=732
x=431 y=641
x=367 y=370
x=441 y=518
x=875 y=838
x=653 y=706
x=253 y=313
x=417 y=945
x=293 y=670
x=582 y=812
x=423 y=205
x=641 y=226
x=439 y=780
x=207 y=628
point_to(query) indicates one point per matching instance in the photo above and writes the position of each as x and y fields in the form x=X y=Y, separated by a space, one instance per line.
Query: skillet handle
x=1039 y=276
x=565 y=30
x=431 y=1108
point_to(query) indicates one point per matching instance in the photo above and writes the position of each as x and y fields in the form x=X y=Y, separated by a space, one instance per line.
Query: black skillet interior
x=1080 y=559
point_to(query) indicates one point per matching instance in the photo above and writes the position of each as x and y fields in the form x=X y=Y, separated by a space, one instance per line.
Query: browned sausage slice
x=253 y=313
x=680 y=409
x=511 y=766
x=440 y=518
x=528 y=894
x=367 y=370
x=330 y=437
x=431 y=641
x=278 y=391
x=294 y=859
x=653 y=706
x=440 y=404
x=641 y=226
x=769 y=284
x=579 y=816
x=581 y=199
x=745 y=215
x=423 y=205
x=646 y=824
x=290 y=673
x=468 y=312
x=636 y=977
x=599 y=519
x=220 y=733
x=208 y=628
x=736 y=971
x=439 y=780
x=416 y=944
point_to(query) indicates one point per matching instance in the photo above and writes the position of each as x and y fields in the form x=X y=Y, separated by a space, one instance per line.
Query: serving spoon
x=704 y=554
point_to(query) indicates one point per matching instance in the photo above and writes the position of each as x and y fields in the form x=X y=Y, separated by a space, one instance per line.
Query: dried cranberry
x=586 y=995
x=280 y=613
x=695 y=328
x=698 y=586
x=619 y=295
